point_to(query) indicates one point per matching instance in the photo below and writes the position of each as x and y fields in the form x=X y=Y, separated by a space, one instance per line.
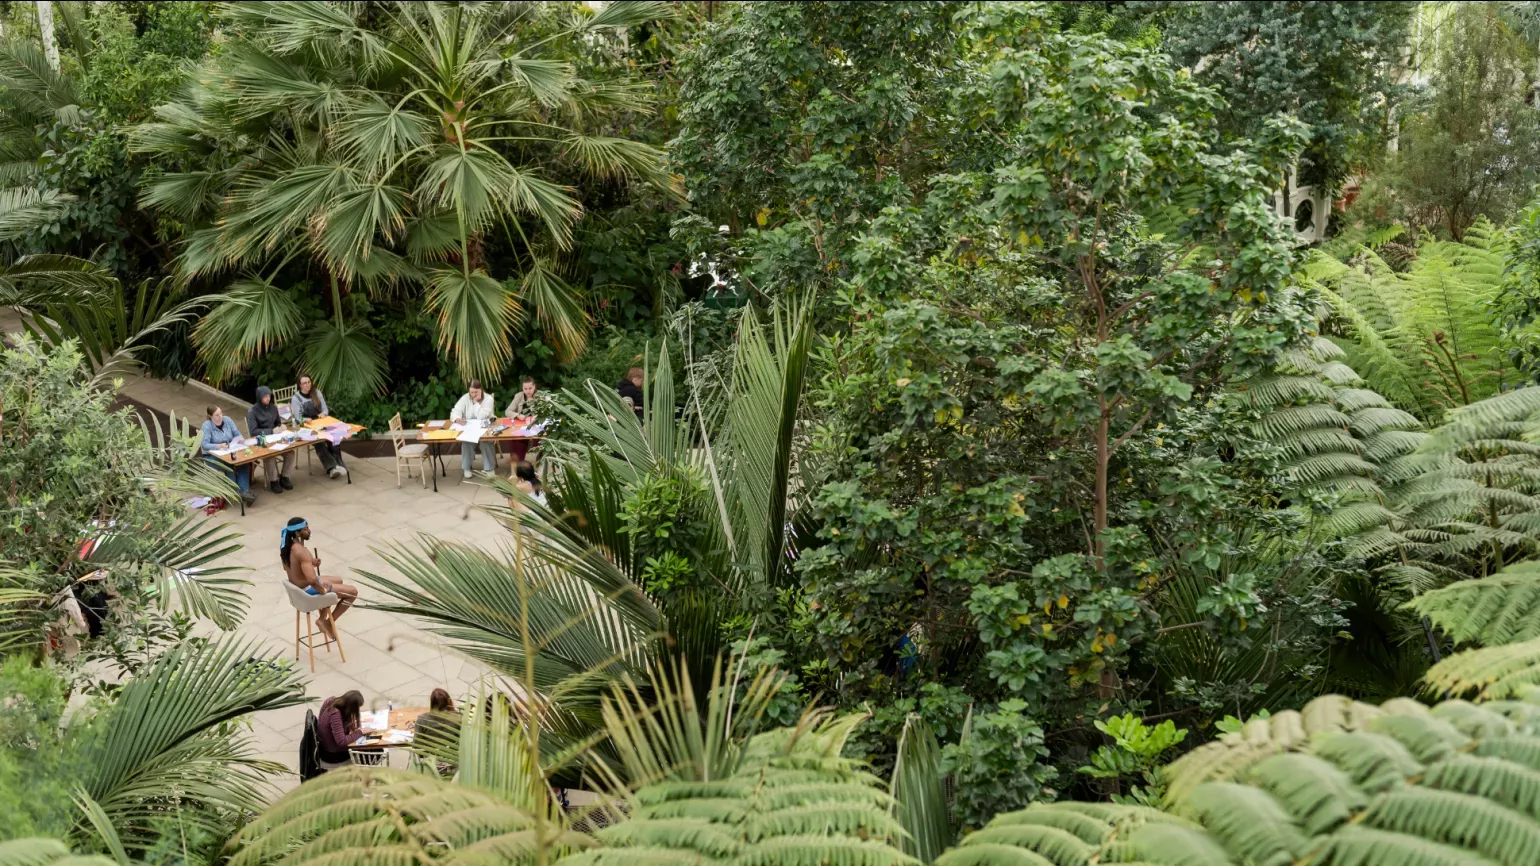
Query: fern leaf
x=1497 y=672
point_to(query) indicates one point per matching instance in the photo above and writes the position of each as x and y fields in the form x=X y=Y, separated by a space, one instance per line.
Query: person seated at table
x=437 y=732
x=304 y=571
x=523 y=403
x=262 y=419
x=340 y=726
x=475 y=405
x=309 y=404
x=525 y=480
x=221 y=432
x=630 y=388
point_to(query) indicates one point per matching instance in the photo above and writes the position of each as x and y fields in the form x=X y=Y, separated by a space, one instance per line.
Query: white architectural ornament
x=1304 y=208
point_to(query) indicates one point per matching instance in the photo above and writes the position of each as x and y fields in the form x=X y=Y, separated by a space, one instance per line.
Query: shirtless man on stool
x=304 y=570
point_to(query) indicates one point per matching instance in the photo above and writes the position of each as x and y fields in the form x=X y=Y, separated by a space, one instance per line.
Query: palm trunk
x=45 y=25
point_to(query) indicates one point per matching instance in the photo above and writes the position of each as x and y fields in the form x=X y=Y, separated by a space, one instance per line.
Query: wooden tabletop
x=401 y=719
x=515 y=430
x=252 y=453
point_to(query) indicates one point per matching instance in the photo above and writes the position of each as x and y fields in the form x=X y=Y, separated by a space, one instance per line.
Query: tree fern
x=1501 y=609
x=1339 y=782
x=1425 y=336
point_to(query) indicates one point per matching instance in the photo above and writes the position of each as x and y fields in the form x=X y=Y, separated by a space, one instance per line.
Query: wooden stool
x=304 y=602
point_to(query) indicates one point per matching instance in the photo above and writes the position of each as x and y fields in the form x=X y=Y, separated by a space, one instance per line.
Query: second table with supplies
x=437 y=433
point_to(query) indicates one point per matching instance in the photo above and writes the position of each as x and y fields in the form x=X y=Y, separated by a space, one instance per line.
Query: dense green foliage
x=987 y=402
x=1335 y=66
x=1470 y=143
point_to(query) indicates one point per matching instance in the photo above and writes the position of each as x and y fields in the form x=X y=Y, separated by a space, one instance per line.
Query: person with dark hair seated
x=308 y=404
x=304 y=571
x=262 y=419
x=437 y=732
x=340 y=726
x=527 y=482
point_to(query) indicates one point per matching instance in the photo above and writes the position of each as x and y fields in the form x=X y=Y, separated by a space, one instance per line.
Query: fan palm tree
x=384 y=146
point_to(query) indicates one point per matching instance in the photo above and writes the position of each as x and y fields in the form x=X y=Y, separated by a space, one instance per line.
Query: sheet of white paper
x=277 y=446
x=470 y=434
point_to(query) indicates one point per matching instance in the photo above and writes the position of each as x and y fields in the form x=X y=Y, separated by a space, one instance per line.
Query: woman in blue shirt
x=218 y=432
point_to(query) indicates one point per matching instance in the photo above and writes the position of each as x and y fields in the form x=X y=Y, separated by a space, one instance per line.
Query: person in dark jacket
x=262 y=419
x=630 y=388
x=340 y=726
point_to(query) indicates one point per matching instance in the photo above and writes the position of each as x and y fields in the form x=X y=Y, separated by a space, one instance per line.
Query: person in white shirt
x=475 y=405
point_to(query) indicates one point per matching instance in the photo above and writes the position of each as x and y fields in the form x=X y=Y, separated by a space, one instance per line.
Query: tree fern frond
x=1496 y=672
x=1058 y=846
x=1365 y=846
x=1373 y=762
x=1503 y=781
x=1457 y=819
x=1501 y=609
x=1247 y=821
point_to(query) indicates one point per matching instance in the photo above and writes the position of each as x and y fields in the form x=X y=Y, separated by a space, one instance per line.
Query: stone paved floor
x=388 y=657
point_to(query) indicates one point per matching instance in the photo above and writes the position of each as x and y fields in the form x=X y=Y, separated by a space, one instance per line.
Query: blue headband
x=283 y=534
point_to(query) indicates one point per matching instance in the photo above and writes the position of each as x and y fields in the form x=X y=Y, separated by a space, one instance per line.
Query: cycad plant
x=391 y=148
x=1424 y=337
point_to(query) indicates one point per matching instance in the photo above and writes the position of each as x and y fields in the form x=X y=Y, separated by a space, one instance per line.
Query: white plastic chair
x=406 y=453
x=369 y=757
x=304 y=602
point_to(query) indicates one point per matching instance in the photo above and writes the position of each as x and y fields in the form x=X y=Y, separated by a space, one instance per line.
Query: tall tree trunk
x=45 y=24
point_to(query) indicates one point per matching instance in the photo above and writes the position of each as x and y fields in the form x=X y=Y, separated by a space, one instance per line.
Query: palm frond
x=161 y=740
x=476 y=319
x=246 y=321
x=345 y=359
x=182 y=560
x=919 y=792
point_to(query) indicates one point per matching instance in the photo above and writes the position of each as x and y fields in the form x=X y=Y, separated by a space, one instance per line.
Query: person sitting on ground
x=340 y=726
x=475 y=405
x=630 y=388
x=523 y=403
x=220 y=432
x=262 y=419
x=437 y=732
x=304 y=570
x=309 y=404
x=525 y=480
